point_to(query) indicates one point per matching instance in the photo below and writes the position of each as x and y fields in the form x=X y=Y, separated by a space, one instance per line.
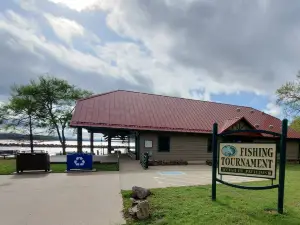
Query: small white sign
x=148 y=144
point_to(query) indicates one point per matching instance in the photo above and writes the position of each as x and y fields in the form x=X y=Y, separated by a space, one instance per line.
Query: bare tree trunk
x=63 y=143
x=30 y=135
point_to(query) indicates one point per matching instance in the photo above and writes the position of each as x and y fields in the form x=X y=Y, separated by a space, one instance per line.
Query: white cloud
x=64 y=28
x=77 y=5
x=273 y=109
x=185 y=48
x=220 y=46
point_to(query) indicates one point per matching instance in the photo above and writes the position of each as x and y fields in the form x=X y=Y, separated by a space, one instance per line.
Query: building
x=173 y=128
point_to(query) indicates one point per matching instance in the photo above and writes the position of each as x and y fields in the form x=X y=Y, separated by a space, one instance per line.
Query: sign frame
x=281 y=183
x=243 y=175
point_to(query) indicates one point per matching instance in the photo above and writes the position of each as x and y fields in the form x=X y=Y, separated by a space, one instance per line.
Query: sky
x=236 y=52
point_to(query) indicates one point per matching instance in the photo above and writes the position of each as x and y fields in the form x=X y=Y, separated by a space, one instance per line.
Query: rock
x=140 y=193
x=141 y=210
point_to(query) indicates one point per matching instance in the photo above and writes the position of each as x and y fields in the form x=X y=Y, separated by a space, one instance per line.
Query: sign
x=79 y=161
x=248 y=159
x=148 y=144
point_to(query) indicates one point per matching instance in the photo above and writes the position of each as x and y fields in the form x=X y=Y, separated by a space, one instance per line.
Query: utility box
x=32 y=161
x=79 y=161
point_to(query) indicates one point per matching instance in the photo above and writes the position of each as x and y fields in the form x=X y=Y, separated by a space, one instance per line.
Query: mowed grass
x=8 y=166
x=193 y=205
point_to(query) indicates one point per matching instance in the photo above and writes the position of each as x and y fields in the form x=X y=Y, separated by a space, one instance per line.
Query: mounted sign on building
x=248 y=159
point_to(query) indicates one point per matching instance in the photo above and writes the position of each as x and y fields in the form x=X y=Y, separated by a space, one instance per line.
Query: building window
x=209 y=145
x=163 y=143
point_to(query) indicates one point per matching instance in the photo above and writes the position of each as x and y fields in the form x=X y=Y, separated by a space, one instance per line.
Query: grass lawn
x=8 y=166
x=193 y=205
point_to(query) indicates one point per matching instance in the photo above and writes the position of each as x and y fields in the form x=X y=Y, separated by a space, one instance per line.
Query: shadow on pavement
x=28 y=175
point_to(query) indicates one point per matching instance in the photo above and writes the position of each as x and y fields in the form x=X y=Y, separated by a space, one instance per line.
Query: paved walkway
x=61 y=199
x=173 y=176
x=88 y=198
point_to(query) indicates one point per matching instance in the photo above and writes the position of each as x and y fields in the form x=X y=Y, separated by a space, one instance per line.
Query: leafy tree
x=289 y=96
x=295 y=124
x=56 y=100
x=20 y=113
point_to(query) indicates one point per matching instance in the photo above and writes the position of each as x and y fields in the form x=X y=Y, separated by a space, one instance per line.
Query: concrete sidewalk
x=61 y=199
x=88 y=198
x=173 y=176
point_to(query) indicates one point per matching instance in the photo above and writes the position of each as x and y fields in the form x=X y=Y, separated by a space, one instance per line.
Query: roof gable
x=141 y=111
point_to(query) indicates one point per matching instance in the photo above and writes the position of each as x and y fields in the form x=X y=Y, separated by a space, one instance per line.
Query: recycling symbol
x=79 y=161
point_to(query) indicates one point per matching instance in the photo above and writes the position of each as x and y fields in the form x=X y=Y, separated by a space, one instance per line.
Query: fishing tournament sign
x=248 y=159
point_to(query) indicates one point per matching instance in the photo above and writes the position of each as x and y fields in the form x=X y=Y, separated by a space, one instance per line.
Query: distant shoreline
x=58 y=146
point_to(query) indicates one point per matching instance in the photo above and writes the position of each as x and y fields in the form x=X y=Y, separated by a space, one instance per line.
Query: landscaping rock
x=141 y=210
x=140 y=193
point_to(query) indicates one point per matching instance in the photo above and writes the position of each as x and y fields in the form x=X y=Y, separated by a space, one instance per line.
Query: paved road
x=61 y=199
x=87 y=198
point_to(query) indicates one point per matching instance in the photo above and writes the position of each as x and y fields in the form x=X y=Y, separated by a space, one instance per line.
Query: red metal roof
x=141 y=111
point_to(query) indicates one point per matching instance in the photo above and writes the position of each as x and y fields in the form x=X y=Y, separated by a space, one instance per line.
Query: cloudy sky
x=236 y=52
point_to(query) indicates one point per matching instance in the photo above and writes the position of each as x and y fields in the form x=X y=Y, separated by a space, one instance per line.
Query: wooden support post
x=137 y=146
x=128 y=144
x=109 y=144
x=92 y=142
x=79 y=139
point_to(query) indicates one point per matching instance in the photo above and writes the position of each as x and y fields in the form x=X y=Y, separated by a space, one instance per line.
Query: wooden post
x=137 y=146
x=128 y=144
x=92 y=142
x=109 y=144
x=79 y=139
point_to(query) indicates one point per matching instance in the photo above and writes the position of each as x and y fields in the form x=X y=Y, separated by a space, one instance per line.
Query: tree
x=56 y=100
x=295 y=124
x=20 y=113
x=289 y=97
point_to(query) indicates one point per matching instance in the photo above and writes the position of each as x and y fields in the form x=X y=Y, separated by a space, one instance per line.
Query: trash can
x=32 y=161
x=79 y=161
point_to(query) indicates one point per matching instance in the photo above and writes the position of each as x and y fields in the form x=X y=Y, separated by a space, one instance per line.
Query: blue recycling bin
x=79 y=161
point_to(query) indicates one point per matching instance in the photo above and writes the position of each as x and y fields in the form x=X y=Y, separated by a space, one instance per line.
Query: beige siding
x=182 y=147
x=194 y=147
x=292 y=150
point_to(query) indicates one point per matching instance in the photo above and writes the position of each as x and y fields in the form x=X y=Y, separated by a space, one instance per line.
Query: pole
x=92 y=142
x=79 y=140
x=282 y=166
x=109 y=144
x=214 y=161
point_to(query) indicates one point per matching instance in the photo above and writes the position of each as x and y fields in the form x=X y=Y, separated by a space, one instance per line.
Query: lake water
x=55 y=150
